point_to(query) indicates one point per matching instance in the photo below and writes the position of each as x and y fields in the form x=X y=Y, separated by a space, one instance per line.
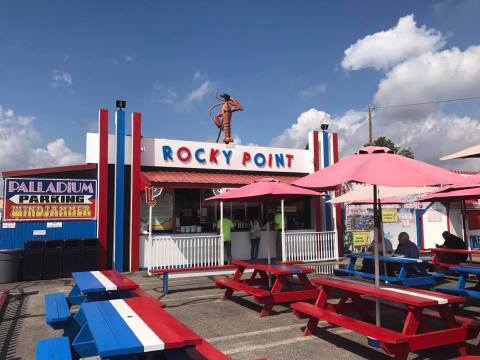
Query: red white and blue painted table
x=357 y=297
x=290 y=283
x=128 y=327
x=99 y=285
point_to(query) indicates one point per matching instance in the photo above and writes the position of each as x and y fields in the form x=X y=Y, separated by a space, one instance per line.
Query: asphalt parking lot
x=233 y=326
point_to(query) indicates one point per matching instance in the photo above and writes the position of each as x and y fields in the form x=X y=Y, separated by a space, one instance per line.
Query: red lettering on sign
x=184 y=154
x=246 y=157
x=270 y=157
x=289 y=159
x=213 y=155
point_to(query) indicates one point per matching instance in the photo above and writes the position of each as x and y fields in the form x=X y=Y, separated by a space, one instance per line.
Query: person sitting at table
x=255 y=235
x=452 y=242
x=368 y=265
x=406 y=247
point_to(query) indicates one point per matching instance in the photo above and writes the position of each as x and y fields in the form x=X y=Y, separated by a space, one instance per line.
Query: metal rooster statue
x=224 y=117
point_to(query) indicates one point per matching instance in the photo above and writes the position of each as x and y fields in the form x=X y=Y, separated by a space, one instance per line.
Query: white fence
x=310 y=246
x=170 y=252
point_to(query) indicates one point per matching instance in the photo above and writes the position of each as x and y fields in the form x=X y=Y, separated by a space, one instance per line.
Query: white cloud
x=199 y=93
x=198 y=76
x=313 y=90
x=61 y=79
x=384 y=49
x=432 y=76
x=20 y=145
x=130 y=58
x=164 y=94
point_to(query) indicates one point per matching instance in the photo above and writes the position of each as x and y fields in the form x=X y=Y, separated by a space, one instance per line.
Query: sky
x=292 y=64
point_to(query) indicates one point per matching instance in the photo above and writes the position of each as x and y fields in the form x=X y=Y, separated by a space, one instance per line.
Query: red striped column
x=338 y=207
x=135 y=191
x=102 y=176
x=316 y=167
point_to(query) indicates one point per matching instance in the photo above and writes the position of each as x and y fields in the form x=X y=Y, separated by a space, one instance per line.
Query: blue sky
x=284 y=60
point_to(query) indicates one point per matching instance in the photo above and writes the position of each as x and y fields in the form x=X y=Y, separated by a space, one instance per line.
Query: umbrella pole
x=464 y=225
x=222 y=250
x=377 y=260
x=380 y=231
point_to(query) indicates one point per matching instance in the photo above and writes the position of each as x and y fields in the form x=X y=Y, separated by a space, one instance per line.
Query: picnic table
x=440 y=264
x=412 y=272
x=99 y=285
x=357 y=297
x=290 y=283
x=128 y=327
x=460 y=289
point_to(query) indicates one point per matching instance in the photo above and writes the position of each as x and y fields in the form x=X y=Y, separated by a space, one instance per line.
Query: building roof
x=180 y=179
x=50 y=170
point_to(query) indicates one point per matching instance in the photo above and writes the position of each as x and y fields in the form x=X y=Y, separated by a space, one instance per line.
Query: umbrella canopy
x=264 y=190
x=387 y=194
x=471 y=152
x=452 y=194
x=380 y=166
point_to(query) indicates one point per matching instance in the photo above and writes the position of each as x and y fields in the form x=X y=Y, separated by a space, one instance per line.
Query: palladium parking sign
x=28 y=199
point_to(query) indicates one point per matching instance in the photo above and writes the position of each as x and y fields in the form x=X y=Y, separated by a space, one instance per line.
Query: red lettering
x=246 y=158
x=289 y=159
x=270 y=157
x=213 y=155
x=184 y=154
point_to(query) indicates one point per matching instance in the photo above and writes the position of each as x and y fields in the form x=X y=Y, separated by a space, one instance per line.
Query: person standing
x=227 y=230
x=255 y=235
x=277 y=220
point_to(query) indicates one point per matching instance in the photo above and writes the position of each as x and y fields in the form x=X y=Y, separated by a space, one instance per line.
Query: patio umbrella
x=453 y=194
x=377 y=165
x=471 y=152
x=264 y=191
x=388 y=194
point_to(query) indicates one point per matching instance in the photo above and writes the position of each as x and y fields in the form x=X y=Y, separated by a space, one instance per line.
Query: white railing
x=170 y=252
x=310 y=246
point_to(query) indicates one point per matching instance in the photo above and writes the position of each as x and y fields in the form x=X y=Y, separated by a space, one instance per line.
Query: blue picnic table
x=412 y=272
x=460 y=289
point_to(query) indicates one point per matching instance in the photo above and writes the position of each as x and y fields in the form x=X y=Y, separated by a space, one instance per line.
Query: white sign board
x=211 y=156
x=8 y=225
x=54 y=225
x=39 y=232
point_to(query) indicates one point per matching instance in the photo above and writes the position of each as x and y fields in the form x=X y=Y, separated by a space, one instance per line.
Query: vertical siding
x=15 y=238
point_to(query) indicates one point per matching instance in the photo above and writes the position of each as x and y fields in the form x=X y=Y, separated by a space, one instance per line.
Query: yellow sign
x=389 y=215
x=361 y=238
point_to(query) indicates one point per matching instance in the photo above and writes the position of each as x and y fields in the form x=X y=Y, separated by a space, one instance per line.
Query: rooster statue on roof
x=224 y=117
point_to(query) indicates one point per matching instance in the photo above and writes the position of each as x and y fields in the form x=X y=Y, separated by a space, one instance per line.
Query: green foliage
x=386 y=142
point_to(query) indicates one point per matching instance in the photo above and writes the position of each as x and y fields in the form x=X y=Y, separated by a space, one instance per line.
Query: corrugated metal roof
x=174 y=178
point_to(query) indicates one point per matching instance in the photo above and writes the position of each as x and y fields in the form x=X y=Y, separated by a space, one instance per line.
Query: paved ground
x=234 y=327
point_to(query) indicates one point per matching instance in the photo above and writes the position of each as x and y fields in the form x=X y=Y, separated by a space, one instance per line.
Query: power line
x=427 y=103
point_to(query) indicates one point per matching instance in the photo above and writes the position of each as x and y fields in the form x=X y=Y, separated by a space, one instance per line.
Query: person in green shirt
x=277 y=222
x=227 y=230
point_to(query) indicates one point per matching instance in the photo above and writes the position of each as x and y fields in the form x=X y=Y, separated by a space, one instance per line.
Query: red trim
x=50 y=170
x=3 y=299
x=316 y=167
x=135 y=191
x=338 y=207
x=102 y=188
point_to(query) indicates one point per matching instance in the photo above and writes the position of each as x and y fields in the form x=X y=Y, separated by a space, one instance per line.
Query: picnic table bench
x=53 y=349
x=460 y=288
x=290 y=283
x=413 y=272
x=417 y=304
x=436 y=261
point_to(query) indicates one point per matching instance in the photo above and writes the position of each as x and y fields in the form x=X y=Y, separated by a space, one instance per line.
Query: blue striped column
x=119 y=209
x=326 y=162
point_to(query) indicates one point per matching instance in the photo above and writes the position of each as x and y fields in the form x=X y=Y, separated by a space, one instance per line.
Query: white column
x=148 y=249
x=222 y=255
x=284 y=254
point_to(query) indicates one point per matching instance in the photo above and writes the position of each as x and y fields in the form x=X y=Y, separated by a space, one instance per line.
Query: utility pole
x=370 y=130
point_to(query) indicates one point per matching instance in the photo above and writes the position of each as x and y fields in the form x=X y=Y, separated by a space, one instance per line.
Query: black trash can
x=10 y=265
x=90 y=254
x=72 y=257
x=33 y=260
x=52 y=260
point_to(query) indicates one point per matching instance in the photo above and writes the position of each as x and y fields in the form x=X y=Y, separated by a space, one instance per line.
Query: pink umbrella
x=380 y=166
x=377 y=165
x=264 y=191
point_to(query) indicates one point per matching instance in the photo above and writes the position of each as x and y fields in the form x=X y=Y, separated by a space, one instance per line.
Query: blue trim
x=326 y=162
x=418 y=215
x=119 y=208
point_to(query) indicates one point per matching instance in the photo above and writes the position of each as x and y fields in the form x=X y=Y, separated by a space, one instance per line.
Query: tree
x=386 y=142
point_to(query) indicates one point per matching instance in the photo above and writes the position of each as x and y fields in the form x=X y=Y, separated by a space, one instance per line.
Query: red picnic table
x=437 y=251
x=290 y=283
x=358 y=296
